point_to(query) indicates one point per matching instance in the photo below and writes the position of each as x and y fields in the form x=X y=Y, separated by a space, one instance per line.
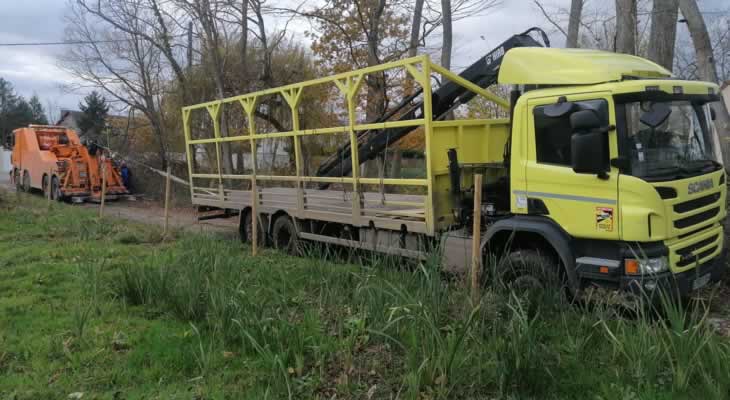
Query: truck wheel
x=16 y=179
x=26 y=182
x=527 y=272
x=284 y=235
x=45 y=186
x=56 y=189
x=245 y=228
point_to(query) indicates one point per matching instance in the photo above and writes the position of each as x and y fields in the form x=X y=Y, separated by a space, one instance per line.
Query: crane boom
x=447 y=97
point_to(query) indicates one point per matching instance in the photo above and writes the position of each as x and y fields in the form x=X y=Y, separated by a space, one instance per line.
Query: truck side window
x=552 y=135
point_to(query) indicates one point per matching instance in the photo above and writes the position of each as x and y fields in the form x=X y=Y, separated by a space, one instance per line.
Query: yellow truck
x=607 y=171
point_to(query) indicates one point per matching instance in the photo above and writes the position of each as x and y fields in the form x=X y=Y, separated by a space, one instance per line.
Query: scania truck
x=607 y=171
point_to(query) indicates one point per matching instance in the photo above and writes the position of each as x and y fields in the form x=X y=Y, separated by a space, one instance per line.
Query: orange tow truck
x=52 y=158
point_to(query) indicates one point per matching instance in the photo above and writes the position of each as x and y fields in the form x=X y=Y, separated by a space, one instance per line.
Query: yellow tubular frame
x=349 y=84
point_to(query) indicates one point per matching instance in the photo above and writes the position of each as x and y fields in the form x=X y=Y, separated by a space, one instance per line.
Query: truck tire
x=17 y=180
x=245 y=228
x=527 y=272
x=26 y=182
x=45 y=186
x=284 y=235
x=56 y=189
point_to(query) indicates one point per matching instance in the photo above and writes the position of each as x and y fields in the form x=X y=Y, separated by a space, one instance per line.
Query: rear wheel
x=26 y=182
x=17 y=180
x=45 y=186
x=56 y=189
x=284 y=235
x=245 y=228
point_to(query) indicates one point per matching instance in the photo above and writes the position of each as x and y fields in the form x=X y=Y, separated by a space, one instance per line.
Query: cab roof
x=550 y=66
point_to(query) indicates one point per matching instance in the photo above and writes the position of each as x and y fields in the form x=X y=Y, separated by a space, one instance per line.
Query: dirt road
x=150 y=212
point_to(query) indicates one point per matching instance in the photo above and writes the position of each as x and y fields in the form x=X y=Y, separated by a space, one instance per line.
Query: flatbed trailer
x=568 y=178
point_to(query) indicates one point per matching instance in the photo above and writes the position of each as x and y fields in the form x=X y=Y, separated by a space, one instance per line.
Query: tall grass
x=318 y=327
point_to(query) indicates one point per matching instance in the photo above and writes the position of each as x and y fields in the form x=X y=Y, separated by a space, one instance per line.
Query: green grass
x=111 y=310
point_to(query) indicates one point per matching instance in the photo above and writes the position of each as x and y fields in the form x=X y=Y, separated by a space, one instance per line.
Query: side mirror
x=656 y=116
x=588 y=143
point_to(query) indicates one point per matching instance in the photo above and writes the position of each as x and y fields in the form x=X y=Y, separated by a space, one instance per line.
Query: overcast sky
x=33 y=70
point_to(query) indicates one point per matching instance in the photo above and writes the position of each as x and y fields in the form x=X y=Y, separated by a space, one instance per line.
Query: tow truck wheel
x=530 y=274
x=56 y=189
x=284 y=235
x=26 y=182
x=245 y=228
x=45 y=186
x=17 y=180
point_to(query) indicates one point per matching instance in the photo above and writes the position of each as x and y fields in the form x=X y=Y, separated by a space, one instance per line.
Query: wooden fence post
x=476 y=259
x=49 y=188
x=103 y=189
x=254 y=217
x=167 y=201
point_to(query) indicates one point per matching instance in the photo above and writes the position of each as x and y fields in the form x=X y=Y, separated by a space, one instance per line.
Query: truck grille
x=696 y=219
x=706 y=245
x=696 y=203
x=691 y=258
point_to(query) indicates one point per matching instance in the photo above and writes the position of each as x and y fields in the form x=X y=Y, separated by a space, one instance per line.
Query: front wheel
x=533 y=275
x=284 y=235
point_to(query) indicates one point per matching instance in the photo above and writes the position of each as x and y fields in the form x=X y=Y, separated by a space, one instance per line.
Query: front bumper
x=681 y=284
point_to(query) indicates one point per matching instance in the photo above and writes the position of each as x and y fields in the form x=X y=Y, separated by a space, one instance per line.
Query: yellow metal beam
x=468 y=85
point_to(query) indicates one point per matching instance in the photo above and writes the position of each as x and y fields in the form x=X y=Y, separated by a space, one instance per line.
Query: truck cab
x=617 y=166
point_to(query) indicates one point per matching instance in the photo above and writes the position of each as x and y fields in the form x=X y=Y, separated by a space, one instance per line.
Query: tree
x=14 y=111
x=663 y=32
x=576 y=9
x=94 y=111
x=705 y=59
x=36 y=108
x=448 y=37
x=626 y=22
x=114 y=56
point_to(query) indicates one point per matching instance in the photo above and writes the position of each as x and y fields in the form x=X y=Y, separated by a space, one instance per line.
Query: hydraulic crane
x=446 y=98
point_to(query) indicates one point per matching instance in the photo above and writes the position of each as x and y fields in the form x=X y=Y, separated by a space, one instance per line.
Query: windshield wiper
x=703 y=166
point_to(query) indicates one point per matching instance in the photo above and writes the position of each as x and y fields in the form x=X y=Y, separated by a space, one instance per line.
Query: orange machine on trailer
x=54 y=155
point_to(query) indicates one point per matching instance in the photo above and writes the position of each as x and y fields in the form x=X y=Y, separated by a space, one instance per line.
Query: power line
x=63 y=43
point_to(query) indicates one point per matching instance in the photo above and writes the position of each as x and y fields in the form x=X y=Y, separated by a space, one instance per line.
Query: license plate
x=701 y=281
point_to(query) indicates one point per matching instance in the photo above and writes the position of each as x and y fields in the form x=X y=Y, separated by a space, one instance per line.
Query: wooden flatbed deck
x=385 y=211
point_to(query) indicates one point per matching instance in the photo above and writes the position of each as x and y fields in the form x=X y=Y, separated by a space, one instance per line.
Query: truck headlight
x=646 y=266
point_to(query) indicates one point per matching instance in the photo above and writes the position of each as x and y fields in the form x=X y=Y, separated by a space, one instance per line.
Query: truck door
x=584 y=205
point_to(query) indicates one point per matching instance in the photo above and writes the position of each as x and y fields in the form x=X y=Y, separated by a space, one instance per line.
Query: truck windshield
x=671 y=140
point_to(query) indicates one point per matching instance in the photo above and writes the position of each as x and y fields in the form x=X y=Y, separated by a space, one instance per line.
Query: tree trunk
x=448 y=41
x=395 y=169
x=190 y=46
x=576 y=11
x=626 y=26
x=415 y=29
x=244 y=36
x=663 y=32
x=706 y=65
x=448 y=37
